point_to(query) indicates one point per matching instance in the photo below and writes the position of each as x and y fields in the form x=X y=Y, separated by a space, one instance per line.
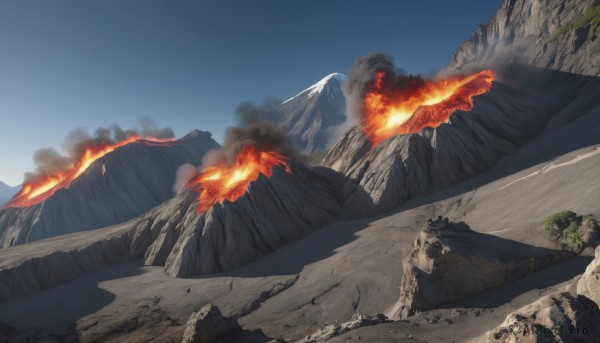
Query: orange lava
x=229 y=182
x=388 y=113
x=46 y=185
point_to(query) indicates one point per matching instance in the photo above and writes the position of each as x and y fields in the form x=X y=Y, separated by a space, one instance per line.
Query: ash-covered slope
x=115 y=188
x=6 y=192
x=273 y=212
x=410 y=165
x=310 y=116
x=560 y=35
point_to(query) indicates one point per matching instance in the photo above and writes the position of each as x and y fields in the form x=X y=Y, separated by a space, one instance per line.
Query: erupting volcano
x=45 y=185
x=388 y=111
x=229 y=182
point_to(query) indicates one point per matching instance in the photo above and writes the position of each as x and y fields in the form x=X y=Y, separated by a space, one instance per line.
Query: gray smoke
x=362 y=77
x=253 y=129
x=50 y=161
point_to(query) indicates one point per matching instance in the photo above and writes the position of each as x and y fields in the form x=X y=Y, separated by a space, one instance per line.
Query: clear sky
x=188 y=64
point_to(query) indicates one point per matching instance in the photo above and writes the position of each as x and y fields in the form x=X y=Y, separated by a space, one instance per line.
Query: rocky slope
x=312 y=115
x=115 y=188
x=272 y=213
x=410 y=165
x=560 y=35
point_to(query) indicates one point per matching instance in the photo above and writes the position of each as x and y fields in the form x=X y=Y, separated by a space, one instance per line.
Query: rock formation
x=589 y=283
x=329 y=331
x=208 y=326
x=560 y=35
x=115 y=188
x=554 y=318
x=311 y=116
x=450 y=262
x=410 y=165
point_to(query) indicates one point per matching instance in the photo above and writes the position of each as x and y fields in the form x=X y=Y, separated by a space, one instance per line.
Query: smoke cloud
x=253 y=130
x=50 y=161
x=183 y=175
x=362 y=76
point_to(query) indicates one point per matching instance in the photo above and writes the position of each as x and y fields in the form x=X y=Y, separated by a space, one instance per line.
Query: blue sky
x=188 y=64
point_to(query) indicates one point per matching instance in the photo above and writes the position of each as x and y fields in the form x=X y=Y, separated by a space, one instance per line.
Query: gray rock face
x=208 y=326
x=272 y=213
x=310 y=116
x=546 y=34
x=589 y=284
x=554 y=318
x=406 y=166
x=450 y=262
x=115 y=188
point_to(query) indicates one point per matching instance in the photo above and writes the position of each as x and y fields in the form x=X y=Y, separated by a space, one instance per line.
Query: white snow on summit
x=318 y=87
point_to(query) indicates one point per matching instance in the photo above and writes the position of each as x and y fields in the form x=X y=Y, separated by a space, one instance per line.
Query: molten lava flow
x=46 y=185
x=391 y=112
x=230 y=182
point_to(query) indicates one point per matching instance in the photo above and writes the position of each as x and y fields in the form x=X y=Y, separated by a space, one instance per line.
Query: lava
x=44 y=186
x=387 y=112
x=230 y=181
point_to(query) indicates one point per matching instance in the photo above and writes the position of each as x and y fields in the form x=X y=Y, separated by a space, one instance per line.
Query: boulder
x=589 y=283
x=450 y=262
x=554 y=318
x=208 y=326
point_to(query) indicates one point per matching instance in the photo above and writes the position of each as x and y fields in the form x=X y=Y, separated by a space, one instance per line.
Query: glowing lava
x=46 y=185
x=220 y=182
x=430 y=103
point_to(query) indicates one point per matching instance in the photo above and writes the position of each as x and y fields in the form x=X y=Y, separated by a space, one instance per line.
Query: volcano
x=45 y=185
x=197 y=235
x=110 y=185
x=404 y=166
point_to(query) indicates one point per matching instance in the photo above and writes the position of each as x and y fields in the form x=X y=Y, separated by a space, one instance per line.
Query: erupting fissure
x=229 y=182
x=45 y=185
x=388 y=111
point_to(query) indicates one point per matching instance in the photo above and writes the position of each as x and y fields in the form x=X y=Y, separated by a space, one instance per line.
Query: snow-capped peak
x=318 y=87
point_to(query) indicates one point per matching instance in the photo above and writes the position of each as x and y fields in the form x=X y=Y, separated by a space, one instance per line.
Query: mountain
x=411 y=165
x=117 y=187
x=311 y=116
x=6 y=192
x=559 y=35
x=529 y=148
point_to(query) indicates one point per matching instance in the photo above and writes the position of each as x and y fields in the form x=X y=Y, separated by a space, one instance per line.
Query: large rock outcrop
x=406 y=166
x=560 y=35
x=208 y=326
x=311 y=116
x=589 y=283
x=450 y=262
x=553 y=318
x=115 y=188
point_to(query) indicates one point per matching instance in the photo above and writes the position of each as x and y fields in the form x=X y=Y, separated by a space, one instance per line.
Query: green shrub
x=563 y=227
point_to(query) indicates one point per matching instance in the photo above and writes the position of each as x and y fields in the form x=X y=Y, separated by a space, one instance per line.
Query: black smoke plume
x=49 y=161
x=254 y=130
x=361 y=78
